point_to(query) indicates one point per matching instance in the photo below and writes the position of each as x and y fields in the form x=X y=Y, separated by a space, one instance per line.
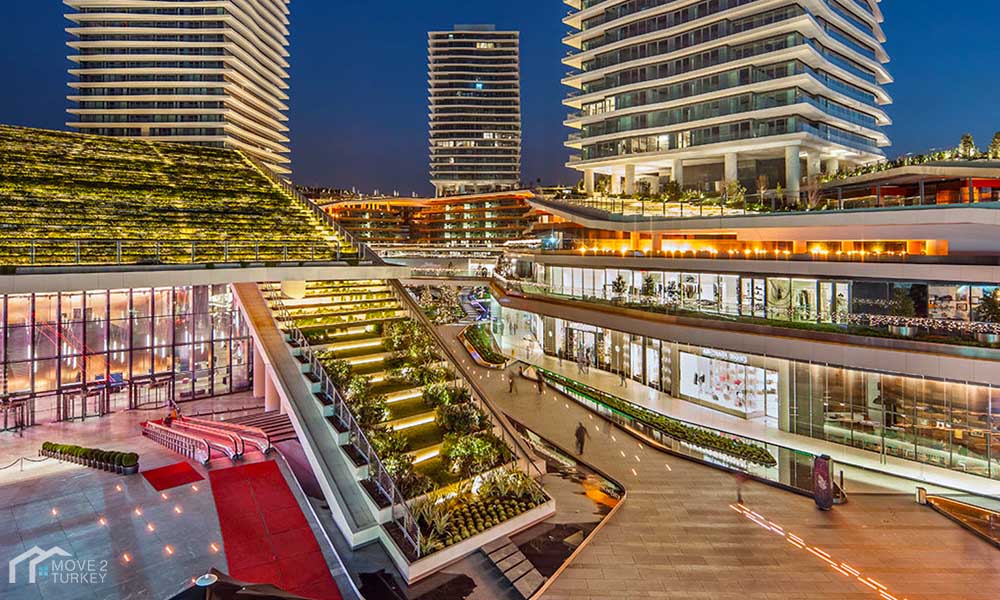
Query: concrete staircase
x=516 y=568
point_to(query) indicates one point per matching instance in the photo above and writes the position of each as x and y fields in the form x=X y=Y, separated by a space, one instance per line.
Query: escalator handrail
x=233 y=451
x=255 y=435
x=162 y=430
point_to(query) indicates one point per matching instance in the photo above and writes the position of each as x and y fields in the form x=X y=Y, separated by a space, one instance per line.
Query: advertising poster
x=822 y=482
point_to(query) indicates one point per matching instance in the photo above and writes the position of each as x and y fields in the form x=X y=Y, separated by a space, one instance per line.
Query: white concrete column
x=814 y=166
x=258 y=372
x=272 y=401
x=793 y=172
x=629 y=179
x=832 y=165
x=677 y=172
x=294 y=289
x=732 y=169
x=588 y=182
x=616 y=183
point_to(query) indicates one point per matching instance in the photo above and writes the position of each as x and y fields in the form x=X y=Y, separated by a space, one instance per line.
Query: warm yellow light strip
x=419 y=458
x=413 y=423
x=365 y=361
x=407 y=396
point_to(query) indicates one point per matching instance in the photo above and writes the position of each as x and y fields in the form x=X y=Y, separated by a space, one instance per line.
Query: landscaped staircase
x=345 y=320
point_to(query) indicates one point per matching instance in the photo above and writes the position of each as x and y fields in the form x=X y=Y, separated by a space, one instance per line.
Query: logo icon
x=34 y=556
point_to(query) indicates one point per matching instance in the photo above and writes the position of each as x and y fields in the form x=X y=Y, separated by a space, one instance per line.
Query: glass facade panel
x=73 y=355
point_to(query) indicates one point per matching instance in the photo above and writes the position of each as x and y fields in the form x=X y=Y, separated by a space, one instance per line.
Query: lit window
x=485 y=45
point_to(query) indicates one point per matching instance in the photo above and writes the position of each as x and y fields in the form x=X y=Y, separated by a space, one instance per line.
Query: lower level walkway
x=870 y=466
x=676 y=535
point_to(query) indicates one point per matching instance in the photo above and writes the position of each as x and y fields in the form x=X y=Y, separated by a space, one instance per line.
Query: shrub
x=462 y=418
x=470 y=455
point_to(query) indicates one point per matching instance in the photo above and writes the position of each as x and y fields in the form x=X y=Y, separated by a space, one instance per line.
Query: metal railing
x=501 y=424
x=671 y=304
x=377 y=473
x=184 y=444
x=16 y=251
x=365 y=253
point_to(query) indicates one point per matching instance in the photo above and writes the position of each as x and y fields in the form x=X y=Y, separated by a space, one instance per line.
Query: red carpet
x=265 y=535
x=171 y=476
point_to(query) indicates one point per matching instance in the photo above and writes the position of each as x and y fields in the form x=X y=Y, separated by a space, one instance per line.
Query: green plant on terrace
x=690 y=434
x=473 y=454
x=988 y=310
x=60 y=188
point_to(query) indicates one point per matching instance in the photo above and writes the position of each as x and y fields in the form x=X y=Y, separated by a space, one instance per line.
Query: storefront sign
x=724 y=355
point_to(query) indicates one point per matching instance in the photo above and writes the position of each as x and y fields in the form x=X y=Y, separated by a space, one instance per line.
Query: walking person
x=541 y=381
x=511 y=384
x=621 y=378
x=581 y=435
x=740 y=480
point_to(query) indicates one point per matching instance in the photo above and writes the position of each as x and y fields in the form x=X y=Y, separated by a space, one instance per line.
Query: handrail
x=364 y=252
x=377 y=473
x=183 y=443
x=506 y=429
x=233 y=452
x=257 y=436
x=60 y=251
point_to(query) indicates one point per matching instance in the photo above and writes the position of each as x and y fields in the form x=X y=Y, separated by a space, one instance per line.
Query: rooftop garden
x=966 y=151
x=75 y=198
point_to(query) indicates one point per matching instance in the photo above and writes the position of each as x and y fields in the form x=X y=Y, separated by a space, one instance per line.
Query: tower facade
x=475 y=110
x=709 y=91
x=209 y=72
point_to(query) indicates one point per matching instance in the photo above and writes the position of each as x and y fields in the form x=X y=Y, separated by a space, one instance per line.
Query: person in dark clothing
x=541 y=382
x=581 y=435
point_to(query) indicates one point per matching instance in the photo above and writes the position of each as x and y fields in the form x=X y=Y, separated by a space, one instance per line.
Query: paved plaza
x=677 y=536
x=142 y=543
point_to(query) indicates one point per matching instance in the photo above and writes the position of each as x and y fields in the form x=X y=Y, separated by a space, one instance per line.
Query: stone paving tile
x=677 y=530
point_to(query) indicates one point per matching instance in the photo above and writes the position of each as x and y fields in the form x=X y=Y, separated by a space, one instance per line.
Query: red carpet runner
x=171 y=476
x=266 y=537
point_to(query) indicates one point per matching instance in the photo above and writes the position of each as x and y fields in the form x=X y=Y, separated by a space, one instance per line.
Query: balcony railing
x=86 y=251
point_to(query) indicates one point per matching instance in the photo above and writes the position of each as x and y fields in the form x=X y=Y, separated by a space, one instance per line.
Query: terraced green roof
x=59 y=188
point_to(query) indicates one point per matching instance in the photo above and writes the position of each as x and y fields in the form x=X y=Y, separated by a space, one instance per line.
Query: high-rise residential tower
x=210 y=72
x=475 y=110
x=718 y=90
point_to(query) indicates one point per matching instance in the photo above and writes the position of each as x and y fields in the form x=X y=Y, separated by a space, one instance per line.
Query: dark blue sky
x=359 y=107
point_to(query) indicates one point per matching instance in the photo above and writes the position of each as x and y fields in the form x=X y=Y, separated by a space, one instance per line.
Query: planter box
x=988 y=338
x=428 y=565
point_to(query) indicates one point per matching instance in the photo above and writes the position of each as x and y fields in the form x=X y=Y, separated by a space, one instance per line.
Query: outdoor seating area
x=80 y=199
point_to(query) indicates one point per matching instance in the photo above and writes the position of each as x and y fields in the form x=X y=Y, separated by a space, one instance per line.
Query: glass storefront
x=73 y=355
x=771 y=297
x=948 y=424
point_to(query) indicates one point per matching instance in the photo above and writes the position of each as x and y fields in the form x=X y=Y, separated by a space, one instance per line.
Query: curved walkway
x=677 y=536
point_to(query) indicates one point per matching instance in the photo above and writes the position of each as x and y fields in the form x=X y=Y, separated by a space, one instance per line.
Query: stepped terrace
x=90 y=200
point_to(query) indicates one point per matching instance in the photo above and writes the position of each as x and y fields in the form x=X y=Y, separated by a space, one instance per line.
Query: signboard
x=823 y=482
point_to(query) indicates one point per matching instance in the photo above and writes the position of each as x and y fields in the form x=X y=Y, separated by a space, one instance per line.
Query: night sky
x=359 y=90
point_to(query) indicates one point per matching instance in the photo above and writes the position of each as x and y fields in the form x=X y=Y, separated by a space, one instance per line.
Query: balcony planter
x=988 y=338
x=903 y=330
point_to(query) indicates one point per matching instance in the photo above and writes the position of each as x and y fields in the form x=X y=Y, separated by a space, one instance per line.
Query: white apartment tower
x=209 y=72
x=707 y=91
x=475 y=110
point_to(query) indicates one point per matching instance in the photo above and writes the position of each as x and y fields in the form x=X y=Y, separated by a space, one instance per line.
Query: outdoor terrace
x=89 y=200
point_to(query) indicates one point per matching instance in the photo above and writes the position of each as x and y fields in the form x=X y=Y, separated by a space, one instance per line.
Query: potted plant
x=618 y=289
x=902 y=306
x=988 y=311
